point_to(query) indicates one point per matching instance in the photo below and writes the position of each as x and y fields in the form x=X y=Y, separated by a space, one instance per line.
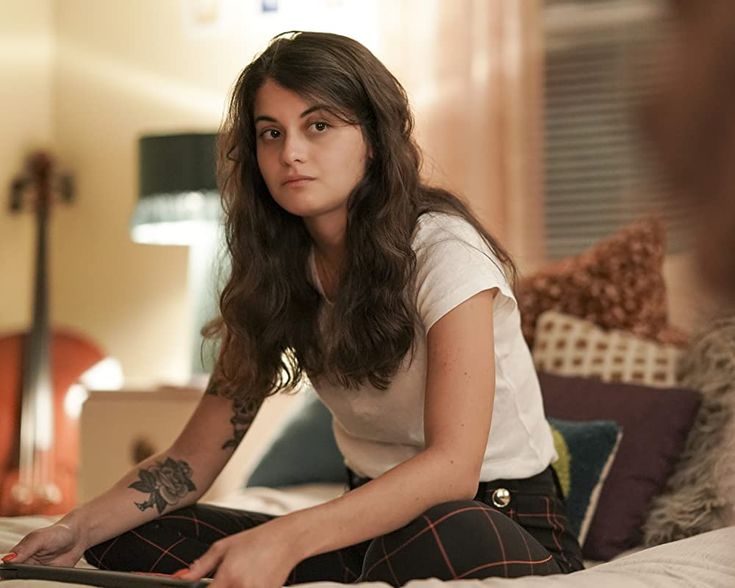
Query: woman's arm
x=174 y=478
x=458 y=408
x=460 y=388
x=169 y=480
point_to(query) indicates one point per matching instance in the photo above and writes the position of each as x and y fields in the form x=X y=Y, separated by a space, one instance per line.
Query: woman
x=396 y=303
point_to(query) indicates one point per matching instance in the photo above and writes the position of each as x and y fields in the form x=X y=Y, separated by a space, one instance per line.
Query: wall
x=101 y=73
x=26 y=120
x=126 y=69
x=93 y=76
x=474 y=72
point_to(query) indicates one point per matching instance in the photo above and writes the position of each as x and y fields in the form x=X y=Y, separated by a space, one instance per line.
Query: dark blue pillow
x=586 y=450
x=304 y=452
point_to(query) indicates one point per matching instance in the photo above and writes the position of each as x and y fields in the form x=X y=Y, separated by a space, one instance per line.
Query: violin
x=39 y=420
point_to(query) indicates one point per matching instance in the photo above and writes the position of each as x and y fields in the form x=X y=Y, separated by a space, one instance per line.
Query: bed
x=704 y=561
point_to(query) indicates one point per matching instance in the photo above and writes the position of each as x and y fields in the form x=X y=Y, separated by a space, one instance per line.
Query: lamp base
x=204 y=281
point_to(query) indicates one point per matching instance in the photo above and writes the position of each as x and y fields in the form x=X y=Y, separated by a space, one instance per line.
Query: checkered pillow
x=570 y=346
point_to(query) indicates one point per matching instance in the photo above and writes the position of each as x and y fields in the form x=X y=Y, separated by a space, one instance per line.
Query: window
x=598 y=173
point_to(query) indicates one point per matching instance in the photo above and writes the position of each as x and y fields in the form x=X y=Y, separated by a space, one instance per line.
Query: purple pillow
x=655 y=423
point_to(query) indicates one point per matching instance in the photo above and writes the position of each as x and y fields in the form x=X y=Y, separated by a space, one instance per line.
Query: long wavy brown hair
x=269 y=331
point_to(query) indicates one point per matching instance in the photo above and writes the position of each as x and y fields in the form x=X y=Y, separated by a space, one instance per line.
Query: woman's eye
x=320 y=126
x=270 y=134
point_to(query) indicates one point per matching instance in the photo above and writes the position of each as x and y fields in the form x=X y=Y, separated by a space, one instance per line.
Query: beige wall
x=87 y=78
x=474 y=72
x=125 y=69
x=26 y=121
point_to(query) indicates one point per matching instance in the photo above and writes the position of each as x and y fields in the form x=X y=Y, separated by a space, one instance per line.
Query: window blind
x=599 y=173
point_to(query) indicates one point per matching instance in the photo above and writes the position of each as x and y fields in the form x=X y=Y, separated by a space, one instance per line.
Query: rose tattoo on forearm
x=165 y=482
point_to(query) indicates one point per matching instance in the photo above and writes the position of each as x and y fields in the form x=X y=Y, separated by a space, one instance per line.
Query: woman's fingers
x=26 y=548
x=54 y=545
x=205 y=564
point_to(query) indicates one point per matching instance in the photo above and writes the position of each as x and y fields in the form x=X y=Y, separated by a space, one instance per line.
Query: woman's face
x=309 y=158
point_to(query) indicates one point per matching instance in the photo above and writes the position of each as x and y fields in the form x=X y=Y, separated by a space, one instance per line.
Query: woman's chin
x=312 y=211
x=302 y=211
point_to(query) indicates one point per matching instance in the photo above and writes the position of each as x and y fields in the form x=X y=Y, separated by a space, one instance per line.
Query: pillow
x=617 y=284
x=304 y=451
x=655 y=424
x=586 y=450
x=570 y=346
x=700 y=495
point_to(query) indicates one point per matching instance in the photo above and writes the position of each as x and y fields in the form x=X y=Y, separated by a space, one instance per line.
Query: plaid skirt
x=512 y=528
x=534 y=504
x=537 y=505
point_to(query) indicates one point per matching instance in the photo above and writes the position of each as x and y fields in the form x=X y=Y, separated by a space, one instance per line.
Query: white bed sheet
x=705 y=561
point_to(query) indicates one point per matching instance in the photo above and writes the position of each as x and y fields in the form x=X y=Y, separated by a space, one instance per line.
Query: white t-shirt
x=379 y=429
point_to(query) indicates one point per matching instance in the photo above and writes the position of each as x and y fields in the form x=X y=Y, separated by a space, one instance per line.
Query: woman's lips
x=296 y=181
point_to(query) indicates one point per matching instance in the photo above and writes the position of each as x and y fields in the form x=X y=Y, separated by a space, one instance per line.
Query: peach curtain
x=473 y=70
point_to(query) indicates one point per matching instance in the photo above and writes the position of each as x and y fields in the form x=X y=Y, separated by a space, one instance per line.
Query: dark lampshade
x=177 y=188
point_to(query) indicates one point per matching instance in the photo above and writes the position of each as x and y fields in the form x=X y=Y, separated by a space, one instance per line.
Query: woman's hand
x=261 y=557
x=58 y=545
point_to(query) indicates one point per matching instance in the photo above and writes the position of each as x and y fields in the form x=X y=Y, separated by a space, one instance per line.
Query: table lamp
x=179 y=204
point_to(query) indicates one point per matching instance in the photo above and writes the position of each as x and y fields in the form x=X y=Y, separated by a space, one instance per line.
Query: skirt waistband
x=545 y=483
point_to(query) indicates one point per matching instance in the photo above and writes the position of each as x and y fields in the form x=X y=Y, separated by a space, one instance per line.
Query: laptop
x=93 y=577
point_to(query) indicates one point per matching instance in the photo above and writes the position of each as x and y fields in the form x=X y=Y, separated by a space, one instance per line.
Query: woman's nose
x=294 y=150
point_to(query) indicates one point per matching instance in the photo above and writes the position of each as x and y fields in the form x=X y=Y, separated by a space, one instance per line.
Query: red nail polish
x=180 y=573
x=10 y=557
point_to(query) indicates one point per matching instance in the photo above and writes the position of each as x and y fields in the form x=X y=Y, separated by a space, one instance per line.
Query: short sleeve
x=453 y=264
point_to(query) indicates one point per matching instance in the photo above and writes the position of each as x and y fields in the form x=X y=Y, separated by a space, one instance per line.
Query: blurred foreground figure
x=692 y=124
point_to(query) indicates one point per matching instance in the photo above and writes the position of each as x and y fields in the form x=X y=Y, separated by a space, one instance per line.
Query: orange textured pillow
x=617 y=284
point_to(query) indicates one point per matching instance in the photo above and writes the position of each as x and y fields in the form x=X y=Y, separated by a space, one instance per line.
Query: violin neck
x=37 y=422
x=36 y=354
